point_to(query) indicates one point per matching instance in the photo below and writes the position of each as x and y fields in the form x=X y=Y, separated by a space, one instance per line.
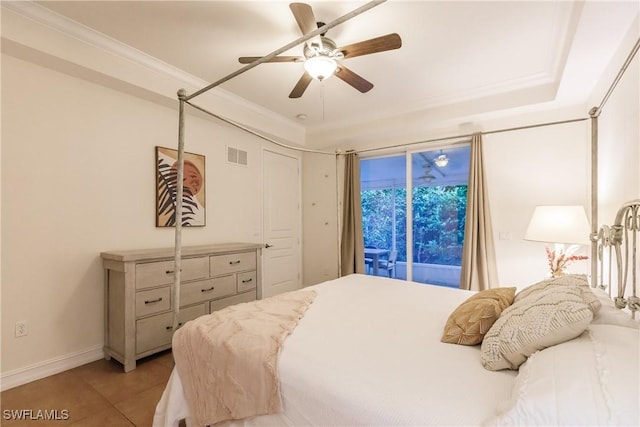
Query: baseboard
x=50 y=367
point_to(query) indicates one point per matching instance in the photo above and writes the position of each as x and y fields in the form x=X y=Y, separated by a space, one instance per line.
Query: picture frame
x=194 y=189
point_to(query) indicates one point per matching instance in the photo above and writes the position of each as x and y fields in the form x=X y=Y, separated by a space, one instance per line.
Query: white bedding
x=368 y=352
x=602 y=389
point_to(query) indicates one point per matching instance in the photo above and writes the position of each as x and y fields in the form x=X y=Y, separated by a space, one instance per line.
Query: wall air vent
x=237 y=156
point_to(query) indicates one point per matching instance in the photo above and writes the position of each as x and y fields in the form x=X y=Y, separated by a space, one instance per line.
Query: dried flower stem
x=559 y=259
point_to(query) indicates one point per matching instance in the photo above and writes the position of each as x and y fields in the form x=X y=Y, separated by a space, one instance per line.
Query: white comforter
x=368 y=352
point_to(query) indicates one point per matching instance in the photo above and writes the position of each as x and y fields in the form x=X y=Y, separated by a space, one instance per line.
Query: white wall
x=541 y=166
x=77 y=179
x=320 y=213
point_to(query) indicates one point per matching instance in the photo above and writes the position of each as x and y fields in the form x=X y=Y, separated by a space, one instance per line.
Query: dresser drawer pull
x=151 y=301
x=171 y=271
x=247 y=280
x=208 y=290
x=171 y=327
x=234 y=262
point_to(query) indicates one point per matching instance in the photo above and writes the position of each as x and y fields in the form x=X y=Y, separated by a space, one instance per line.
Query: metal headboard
x=621 y=241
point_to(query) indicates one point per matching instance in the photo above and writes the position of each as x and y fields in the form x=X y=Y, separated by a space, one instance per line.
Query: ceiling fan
x=321 y=55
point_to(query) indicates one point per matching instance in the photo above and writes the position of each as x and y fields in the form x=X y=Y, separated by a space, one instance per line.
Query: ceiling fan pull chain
x=322 y=96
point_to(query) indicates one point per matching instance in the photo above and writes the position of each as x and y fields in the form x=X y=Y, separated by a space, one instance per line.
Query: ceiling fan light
x=441 y=161
x=320 y=67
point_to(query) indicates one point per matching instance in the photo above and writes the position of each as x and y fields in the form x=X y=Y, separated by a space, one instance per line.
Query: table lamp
x=560 y=225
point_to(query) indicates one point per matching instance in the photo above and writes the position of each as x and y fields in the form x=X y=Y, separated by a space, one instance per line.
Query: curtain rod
x=255 y=133
x=469 y=135
x=294 y=43
x=624 y=67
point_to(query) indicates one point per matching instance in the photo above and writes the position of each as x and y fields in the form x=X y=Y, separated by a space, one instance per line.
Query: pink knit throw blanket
x=228 y=360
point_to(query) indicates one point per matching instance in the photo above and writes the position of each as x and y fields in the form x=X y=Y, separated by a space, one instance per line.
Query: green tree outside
x=438 y=222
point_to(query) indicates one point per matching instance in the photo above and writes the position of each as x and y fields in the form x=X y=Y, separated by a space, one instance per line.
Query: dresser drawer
x=246 y=281
x=231 y=263
x=153 y=301
x=157 y=331
x=161 y=273
x=203 y=290
x=190 y=313
x=226 y=302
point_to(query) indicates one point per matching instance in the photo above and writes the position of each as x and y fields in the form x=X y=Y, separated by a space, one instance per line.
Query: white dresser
x=138 y=297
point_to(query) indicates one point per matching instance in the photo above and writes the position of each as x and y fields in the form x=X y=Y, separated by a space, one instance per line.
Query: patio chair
x=389 y=264
x=368 y=262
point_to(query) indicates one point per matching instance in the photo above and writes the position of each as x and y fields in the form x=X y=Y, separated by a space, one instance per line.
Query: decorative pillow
x=471 y=320
x=589 y=381
x=578 y=282
x=541 y=320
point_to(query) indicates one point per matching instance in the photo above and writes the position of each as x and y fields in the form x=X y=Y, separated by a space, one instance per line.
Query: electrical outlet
x=21 y=328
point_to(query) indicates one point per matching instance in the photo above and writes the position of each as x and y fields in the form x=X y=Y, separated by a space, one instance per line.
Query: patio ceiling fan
x=429 y=166
x=323 y=58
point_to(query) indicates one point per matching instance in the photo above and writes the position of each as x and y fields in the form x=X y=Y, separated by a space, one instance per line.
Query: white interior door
x=281 y=257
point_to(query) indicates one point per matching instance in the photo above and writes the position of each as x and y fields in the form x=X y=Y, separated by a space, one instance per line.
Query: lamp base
x=560 y=272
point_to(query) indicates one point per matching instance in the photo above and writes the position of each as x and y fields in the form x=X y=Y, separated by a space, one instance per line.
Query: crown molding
x=277 y=124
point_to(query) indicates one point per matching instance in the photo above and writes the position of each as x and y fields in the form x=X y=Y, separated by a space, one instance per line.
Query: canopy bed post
x=594 y=113
x=182 y=95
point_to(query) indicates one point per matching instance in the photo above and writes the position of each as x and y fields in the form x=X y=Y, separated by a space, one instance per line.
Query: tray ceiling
x=457 y=58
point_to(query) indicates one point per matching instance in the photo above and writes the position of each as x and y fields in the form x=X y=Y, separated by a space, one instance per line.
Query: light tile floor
x=94 y=395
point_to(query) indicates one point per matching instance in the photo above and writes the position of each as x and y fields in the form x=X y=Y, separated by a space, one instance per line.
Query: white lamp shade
x=559 y=224
x=320 y=67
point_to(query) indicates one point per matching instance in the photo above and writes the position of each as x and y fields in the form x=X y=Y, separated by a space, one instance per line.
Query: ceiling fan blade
x=301 y=86
x=250 y=59
x=377 y=44
x=353 y=79
x=306 y=21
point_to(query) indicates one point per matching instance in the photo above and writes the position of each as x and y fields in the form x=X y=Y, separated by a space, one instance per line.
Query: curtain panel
x=352 y=240
x=479 y=269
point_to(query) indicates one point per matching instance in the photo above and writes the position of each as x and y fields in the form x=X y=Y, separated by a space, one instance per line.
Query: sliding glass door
x=383 y=196
x=438 y=205
x=413 y=209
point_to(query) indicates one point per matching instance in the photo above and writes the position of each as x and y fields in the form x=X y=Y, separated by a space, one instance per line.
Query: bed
x=369 y=351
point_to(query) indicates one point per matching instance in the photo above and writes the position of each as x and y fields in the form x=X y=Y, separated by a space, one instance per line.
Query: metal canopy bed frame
x=605 y=342
x=620 y=239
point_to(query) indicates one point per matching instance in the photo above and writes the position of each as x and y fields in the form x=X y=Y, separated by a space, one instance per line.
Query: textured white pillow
x=576 y=282
x=538 y=321
x=589 y=381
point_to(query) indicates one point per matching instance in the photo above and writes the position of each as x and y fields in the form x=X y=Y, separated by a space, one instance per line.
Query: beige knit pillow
x=541 y=320
x=471 y=320
x=578 y=282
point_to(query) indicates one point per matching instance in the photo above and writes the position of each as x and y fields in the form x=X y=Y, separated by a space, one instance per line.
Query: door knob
x=268 y=246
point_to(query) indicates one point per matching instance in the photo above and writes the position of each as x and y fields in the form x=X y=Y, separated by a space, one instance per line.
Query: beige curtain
x=352 y=241
x=478 y=254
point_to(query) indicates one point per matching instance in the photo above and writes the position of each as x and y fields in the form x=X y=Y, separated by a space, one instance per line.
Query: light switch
x=504 y=235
